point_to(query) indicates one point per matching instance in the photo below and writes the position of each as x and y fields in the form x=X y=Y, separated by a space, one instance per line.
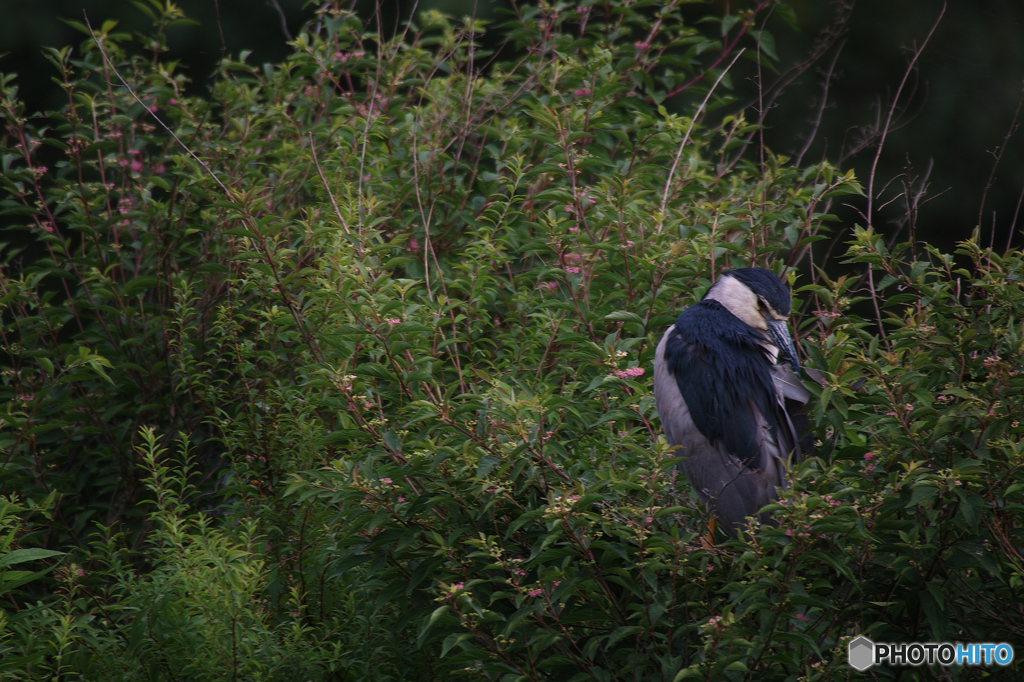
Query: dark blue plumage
x=722 y=370
x=729 y=396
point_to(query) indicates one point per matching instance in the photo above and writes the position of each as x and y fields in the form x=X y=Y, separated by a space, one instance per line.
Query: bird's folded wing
x=788 y=384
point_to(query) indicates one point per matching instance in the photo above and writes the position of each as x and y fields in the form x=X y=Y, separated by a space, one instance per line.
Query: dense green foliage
x=353 y=381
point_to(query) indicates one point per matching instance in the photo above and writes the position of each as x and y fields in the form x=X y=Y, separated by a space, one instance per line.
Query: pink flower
x=868 y=456
x=172 y=101
x=582 y=92
x=401 y=499
x=572 y=271
x=393 y=321
x=641 y=45
x=159 y=169
x=536 y=593
x=629 y=373
x=136 y=166
x=457 y=586
x=802 y=617
x=386 y=481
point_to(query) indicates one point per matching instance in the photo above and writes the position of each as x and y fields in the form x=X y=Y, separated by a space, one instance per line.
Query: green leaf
x=137 y=285
x=20 y=556
x=487 y=463
x=623 y=316
x=454 y=640
x=922 y=493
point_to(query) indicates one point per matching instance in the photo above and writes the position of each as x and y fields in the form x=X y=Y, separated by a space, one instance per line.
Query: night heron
x=728 y=394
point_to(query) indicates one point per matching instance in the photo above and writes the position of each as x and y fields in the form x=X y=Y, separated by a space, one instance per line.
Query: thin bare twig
x=170 y=132
x=220 y=30
x=1013 y=223
x=323 y=179
x=246 y=216
x=827 y=38
x=915 y=198
x=761 y=114
x=280 y=14
x=369 y=111
x=821 y=108
x=686 y=138
x=892 y=111
x=999 y=155
x=878 y=155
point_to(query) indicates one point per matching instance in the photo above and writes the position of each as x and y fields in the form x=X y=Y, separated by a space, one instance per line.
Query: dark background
x=956 y=110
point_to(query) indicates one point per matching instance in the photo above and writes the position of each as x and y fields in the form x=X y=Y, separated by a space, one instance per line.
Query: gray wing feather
x=675 y=415
x=788 y=385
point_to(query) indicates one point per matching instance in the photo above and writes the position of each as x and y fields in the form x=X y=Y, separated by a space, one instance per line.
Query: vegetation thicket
x=343 y=370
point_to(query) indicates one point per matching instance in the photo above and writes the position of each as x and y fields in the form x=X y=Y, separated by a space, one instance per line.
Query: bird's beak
x=779 y=333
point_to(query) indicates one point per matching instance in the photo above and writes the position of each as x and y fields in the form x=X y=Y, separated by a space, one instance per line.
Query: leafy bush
x=393 y=305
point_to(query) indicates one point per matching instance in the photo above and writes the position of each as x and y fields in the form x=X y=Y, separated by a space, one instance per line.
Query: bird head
x=760 y=299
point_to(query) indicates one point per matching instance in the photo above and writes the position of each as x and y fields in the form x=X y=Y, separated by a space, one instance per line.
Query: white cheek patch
x=739 y=300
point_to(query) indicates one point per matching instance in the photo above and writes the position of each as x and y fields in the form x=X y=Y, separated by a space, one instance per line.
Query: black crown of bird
x=728 y=392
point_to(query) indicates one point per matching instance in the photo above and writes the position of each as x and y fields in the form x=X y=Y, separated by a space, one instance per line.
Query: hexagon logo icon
x=861 y=652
